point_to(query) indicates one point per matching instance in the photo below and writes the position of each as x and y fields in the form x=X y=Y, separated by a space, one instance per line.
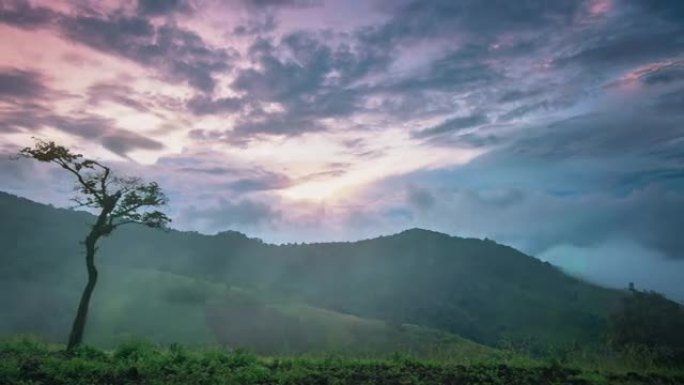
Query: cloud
x=21 y=14
x=122 y=142
x=237 y=180
x=536 y=220
x=596 y=177
x=602 y=134
x=457 y=71
x=669 y=9
x=15 y=171
x=202 y=105
x=313 y=84
x=180 y=54
x=667 y=74
x=616 y=263
x=276 y=124
x=481 y=19
x=161 y=7
x=228 y=214
x=451 y=125
x=33 y=117
x=117 y=93
x=671 y=102
x=629 y=48
x=281 y=3
x=16 y=84
x=517 y=95
x=265 y=23
x=420 y=198
x=267 y=182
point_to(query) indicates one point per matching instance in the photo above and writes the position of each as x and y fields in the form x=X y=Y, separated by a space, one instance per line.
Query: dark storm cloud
x=517 y=95
x=458 y=71
x=628 y=49
x=285 y=80
x=640 y=32
x=21 y=14
x=122 y=142
x=102 y=130
x=637 y=179
x=263 y=15
x=638 y=197
x=669 y=9
x=20 y=116
x=452 y=125
x=523 y=110
x=32 y=117
x=651 y=216
x=176 y=53
x=671 y=102
x=483 y=19
x=469 y=140
x=275 y=124
x=257 y=26
x=556 y=33
x=117 y=93
x=668 y=74
x=651 y=213
x=202 y=105
x=161 y=7
x=281 y=3
x=313 y=84
x=469 y=68
x=598 y=177
x=604 y=134
x=16 y=84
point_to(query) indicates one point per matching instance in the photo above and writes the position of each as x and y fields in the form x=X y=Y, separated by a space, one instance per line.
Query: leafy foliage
x=121 y=200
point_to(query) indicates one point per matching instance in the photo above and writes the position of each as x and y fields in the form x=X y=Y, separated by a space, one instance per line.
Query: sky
x=556 y=127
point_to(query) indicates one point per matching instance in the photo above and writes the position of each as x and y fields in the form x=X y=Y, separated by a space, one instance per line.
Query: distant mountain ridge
x=479 y=289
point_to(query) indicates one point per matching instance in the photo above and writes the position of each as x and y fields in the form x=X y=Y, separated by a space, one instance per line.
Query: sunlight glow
x=396 y=161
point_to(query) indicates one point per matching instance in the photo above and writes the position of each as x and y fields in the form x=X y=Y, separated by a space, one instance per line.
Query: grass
x=166 y=308
x=29 y=361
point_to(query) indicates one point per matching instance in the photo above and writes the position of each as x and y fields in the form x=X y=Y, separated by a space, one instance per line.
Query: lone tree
x=119 y=201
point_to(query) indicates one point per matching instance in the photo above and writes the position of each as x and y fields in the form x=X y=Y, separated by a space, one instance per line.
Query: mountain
x=478 y=289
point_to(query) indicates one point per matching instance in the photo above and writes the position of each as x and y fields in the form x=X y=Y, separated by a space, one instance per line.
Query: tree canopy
x=123 y=199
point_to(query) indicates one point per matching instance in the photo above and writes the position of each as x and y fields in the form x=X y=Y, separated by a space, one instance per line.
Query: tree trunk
x=78 y=327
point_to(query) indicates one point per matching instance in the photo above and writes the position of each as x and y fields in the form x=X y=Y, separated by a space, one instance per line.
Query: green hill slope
x=475 y=288
x=167 y=308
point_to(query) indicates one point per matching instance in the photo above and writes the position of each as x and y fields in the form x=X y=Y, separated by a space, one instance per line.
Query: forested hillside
x=478 y=289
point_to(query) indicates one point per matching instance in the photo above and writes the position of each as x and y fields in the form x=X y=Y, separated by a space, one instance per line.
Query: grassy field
x=166 y=308
x=26 y=361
